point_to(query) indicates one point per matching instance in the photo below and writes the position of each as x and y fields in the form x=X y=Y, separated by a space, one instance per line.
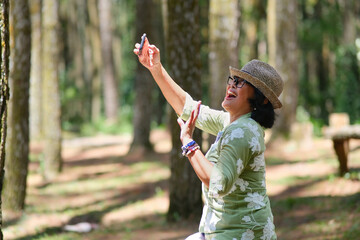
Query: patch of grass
x=272 y=161
x=121 y=126
x=137 y=175
x=292 y=180
x=62 y=236
x=353 y=232
x=326 y=216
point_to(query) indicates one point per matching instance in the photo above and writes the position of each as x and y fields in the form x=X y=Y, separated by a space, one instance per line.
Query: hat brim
x=268 y=93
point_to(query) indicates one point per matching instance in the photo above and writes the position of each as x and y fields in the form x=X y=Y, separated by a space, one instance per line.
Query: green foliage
x=123 y=125
x=302 y=115
x=124 y=21
x=329 y=78
x=347 y=83
x=76 y=93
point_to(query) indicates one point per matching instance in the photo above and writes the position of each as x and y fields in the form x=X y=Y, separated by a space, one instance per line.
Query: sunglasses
x=237 y=81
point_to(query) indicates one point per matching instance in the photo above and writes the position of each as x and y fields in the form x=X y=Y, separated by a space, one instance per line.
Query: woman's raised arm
x=150 y=58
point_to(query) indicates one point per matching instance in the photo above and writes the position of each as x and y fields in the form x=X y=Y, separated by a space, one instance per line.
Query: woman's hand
x=188 y=127
x=150 y=54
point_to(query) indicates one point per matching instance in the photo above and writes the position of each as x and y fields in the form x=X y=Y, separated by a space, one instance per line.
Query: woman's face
x=236 y=98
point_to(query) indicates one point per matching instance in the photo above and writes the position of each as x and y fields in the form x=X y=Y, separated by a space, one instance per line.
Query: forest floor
x=126 y=195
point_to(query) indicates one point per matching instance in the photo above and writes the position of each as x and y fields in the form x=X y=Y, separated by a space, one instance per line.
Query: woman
x=233 y=170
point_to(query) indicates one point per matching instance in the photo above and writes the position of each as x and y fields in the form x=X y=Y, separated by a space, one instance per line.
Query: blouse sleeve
x=235 y=154
x=209 y=120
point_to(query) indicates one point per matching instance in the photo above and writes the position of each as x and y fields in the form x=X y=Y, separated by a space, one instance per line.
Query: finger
x=190 y=120
x=151 y=56
x=197 y=111
x=146 y=44
x=180 y=122
x=154 y=48
x=137 y=45
x=136 y=51
x=145 y=48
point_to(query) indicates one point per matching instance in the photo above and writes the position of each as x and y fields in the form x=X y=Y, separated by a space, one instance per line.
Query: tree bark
x=144 y=84
x=17 y=145
x=95 y=42
x=108 y=74
x=35 y=71
x=223 y=45
x=4 y=88
x=224 y=35
x=183 y=51
x=349 y=21
x=51 y=96
x=283 y=56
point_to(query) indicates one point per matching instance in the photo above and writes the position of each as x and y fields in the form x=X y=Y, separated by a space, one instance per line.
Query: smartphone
x=142 y=43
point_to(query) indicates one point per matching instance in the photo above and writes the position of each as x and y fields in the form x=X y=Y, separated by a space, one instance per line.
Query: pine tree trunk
x=17 y=142
x=108 y=75
x=224 y=32
x=96 y=59
x=349 y=21
x=224 y=48
x=183 y=49
x=4 y=88
x=144 y=84
x=51 y=96
x=35 y=72
x=283 y=56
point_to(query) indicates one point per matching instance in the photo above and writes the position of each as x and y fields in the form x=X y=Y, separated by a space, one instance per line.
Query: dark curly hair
x=263 y=113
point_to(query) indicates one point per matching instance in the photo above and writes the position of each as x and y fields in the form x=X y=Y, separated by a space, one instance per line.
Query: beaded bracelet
x=186 y=147
x=192 y=150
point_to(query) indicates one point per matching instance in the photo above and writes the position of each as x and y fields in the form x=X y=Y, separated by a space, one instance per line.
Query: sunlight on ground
x=127 y=194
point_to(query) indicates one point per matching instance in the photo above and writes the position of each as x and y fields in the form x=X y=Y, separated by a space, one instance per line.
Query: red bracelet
x=193 y=149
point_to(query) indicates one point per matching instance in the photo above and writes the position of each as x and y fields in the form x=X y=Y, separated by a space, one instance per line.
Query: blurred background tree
x=51 y=113
x=144 y=84
x=35 y=107
x=183 y=54
x=283 y=56
x=224 y=33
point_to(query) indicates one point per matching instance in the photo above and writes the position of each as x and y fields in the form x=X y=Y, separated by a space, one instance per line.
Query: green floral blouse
x=236 y=206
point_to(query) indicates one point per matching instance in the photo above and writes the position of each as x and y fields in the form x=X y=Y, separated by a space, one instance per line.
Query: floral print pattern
x=255 y=200
x=248 y=235
x=254 y=145
x=259 y=163
x=269 y=230
x=236 y=195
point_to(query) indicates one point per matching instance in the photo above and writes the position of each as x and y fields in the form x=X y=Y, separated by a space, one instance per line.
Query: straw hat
x=263 y=77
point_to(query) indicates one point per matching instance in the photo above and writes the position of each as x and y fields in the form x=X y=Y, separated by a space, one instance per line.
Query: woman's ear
x=266 y=101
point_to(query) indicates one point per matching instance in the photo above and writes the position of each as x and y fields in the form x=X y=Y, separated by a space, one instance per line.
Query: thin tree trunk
x=283 y=55
x=17 y=145
x=51 y=96
x=184 y=63
x=349 y=21
x=4 y=88
x=35 y=71
x=96 y=59
x=223 y=43
x=110 y=83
